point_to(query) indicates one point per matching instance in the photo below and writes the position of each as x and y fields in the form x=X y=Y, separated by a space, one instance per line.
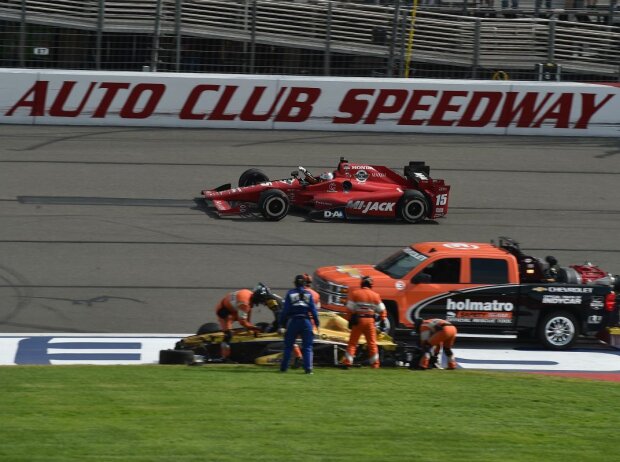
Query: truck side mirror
x=422 y=278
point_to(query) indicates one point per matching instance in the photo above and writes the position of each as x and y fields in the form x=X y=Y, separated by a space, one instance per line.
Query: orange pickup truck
x=483 y=288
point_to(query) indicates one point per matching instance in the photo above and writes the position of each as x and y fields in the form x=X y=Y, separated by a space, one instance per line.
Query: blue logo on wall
x=35 y=350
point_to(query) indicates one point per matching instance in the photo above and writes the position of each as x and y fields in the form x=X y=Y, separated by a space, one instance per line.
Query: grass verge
x=243 y=412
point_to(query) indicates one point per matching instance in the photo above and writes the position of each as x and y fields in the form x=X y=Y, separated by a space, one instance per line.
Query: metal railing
x=302 y=37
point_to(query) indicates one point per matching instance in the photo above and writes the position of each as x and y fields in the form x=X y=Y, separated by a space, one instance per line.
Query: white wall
x=298 y=103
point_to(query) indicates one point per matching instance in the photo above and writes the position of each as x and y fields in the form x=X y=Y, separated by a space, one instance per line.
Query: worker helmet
x=299 y=281
x=327 y=176
x=366 y=282
x=260 y=294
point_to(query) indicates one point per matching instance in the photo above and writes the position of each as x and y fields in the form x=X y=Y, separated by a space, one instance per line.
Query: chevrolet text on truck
x=483 y=288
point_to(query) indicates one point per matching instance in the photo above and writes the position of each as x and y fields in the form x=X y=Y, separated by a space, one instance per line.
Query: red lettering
x=559 y=110
x=111 y=89
x=293 y=102
x=589 y=108
x=192 y=99
x=129 y=108
x=352 y=105
x=416 y=105
x=222 y=104
x=57 y=109
x=381 y=107
x=491 y=100
x=37 y=103
x=247 y=113
x=443 y=106
x=526 y=108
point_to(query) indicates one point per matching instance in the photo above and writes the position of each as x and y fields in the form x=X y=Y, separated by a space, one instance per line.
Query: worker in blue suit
x=299 y=309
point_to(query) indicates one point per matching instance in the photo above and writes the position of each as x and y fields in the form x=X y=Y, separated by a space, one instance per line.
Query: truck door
x=491 y=304
x=438 y=278
x=483 y=300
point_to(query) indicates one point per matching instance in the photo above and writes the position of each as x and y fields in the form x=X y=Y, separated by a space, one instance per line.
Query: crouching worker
x=364 y=305
x=298 y=311
x=435 y=334
x=237 y=307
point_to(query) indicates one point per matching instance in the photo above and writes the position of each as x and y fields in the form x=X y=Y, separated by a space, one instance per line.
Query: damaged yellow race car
x=266 y=348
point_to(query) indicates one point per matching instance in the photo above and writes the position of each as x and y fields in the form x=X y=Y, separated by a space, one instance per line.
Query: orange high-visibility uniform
x=435 y=333
x=365 y=304
x=235 y=306
x=315 y=297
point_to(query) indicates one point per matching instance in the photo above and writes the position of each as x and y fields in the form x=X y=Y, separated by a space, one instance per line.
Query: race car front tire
x=176 y=356
x=273 y=204
x=412 y=207
x=252 y=176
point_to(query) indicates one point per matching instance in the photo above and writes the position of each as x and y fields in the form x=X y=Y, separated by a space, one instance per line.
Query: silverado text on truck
x=483 y=288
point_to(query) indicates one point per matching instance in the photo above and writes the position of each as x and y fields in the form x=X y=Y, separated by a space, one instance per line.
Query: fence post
x=476 y=51
x=551 y=44
x=253 y=38
x=99 y=37
x=414 y=15
x=328 y=40
x=177 y=34
x=403 y=29
x=390 y=63
x=22 y=36
x=156 y=35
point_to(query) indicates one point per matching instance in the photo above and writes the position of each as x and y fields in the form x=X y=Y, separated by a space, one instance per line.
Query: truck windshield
x=401 y=263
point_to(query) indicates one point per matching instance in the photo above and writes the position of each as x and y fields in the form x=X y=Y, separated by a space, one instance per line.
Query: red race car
x=352 y=191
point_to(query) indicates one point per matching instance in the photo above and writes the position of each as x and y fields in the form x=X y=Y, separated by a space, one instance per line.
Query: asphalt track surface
x=100 y=232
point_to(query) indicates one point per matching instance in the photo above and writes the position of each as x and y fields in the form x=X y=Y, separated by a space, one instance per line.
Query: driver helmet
x=260 y=294
x=327 y=176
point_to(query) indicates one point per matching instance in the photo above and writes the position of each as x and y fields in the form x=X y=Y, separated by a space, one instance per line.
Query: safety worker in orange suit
x=364 y=305
x=237 y=306
x=315 y=294
x=435 y=334
x=317 y=303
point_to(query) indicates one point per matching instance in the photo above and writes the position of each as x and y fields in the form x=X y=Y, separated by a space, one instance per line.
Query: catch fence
x=314 y=37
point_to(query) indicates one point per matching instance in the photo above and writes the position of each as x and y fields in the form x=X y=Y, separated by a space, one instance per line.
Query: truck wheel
x=273 y=204
x=176 y=356
x=251 y=177
x=412 y=207
x=558 y=330
x=208 y=328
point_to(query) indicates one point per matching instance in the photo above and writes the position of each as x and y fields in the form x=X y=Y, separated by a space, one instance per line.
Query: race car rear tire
x=252 y=176
x=558 y=330
x=412 y=207
x=176 y=356
x=273 y=204
x=208 y=328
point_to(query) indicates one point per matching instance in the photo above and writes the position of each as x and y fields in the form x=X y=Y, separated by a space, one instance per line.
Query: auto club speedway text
x=332 y=104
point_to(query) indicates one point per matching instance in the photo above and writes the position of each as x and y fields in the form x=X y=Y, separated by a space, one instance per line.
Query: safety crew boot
x=425 y=361
x=452 y=363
